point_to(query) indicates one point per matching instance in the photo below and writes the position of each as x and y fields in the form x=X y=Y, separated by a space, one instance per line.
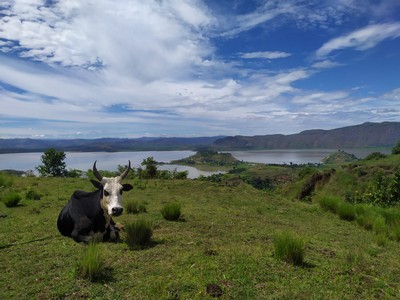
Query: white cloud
x=145 y=40
x=326 y=64
x=361 y=39
x=266 y=55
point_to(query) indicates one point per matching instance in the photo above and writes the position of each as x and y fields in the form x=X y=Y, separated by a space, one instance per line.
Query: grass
x=289 y=248
x=11 y=199
x=135 y=207
x=92 y=266
x=138 y=233
x=346 y=211
x=225 y=242
x=330 y=203
x=171 y=211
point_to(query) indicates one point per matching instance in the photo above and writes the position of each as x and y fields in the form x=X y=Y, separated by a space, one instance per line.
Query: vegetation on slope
x=339 y=157
x=208 y=157
x=229 y=243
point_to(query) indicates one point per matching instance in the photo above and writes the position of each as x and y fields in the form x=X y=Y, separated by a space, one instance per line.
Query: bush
x=5 y=182
x=375 y=156
x=396 y=148
x=92 y=265
x=134 y=207
x=330 y=203
x=289 y=248
x=138 y=233
x=346 y=211
x=11 y=199
x=33 y=195
x=171 y=211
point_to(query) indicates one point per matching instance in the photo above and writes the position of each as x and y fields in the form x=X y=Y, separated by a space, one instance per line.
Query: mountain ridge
x=385 y=134
x=369 y=134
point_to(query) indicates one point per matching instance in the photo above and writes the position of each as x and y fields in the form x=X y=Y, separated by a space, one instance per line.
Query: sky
x=189 y=68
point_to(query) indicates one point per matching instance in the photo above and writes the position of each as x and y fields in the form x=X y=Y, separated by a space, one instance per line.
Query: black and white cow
x=87 y=215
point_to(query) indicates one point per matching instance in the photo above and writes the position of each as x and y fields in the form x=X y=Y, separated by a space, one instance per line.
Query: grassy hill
x=209 y=158
x=385 y=134
x=225 y=239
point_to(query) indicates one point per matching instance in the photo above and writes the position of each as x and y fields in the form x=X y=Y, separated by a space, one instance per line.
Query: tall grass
x=11 y=199
x=92 y=266
x=135 y=207
x=138 y=233
x=346 y=211
x=330 y=203
x=171 y=211
x=289 y=248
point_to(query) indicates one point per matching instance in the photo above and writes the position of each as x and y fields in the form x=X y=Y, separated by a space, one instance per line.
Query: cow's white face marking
x=111 y=202
x=112 y=195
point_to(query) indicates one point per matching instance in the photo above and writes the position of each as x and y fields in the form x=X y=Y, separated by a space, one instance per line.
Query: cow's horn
x=125 y=173
x=96 y=173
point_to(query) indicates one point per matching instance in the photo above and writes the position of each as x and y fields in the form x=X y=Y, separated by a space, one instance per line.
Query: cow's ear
x=96 y=184
x=127 y=187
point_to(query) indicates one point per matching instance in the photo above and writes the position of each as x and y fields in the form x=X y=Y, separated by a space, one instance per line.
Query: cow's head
x=112 y=189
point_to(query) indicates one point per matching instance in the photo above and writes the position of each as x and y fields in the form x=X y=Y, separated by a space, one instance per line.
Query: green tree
x=151 y=167
x=53 y=163
x=396 y=148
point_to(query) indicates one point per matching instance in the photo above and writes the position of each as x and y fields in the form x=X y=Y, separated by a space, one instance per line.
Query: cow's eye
x=106 y=193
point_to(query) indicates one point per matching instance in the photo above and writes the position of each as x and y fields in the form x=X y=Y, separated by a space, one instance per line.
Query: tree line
x=53 y=165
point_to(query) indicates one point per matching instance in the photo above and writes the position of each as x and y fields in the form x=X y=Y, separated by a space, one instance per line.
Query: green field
x=225 y=239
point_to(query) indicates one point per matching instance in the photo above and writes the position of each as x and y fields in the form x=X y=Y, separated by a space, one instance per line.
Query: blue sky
x=184 y=68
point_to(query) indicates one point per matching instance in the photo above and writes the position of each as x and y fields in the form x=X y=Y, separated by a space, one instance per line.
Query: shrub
x=289 y=248
x=134 y=207
x=92 y=265
x=11 y=199
x=5 y=182
x=171 y=211
x=396 y=148
x=33 y=195
x=375 y=156
x=138 y=233
x=330 y=203
x=346 y=211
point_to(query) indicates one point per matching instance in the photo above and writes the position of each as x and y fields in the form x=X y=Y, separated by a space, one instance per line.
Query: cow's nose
x=116 y=211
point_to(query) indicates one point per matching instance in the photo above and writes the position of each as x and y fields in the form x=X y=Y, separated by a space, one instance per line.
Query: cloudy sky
x=127 y=68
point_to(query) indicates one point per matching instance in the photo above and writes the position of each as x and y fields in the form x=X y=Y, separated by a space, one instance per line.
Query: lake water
x=110 y=160
x=298 y=156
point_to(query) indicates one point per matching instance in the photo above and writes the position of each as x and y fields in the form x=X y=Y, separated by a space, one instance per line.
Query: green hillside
x=222 y=246
x=208 y=157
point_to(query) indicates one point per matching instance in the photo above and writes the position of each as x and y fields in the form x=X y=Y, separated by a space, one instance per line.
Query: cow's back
x=80 y=204
x=65 y=223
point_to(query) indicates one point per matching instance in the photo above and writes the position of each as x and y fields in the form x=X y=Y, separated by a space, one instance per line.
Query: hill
x=369 y=134
x=207 y=157
x=339 y=157
x=224 y=243
x=105 y=144
x=385 y=134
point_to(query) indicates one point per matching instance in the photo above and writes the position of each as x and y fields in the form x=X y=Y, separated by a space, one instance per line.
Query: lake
x=298 y=156
x=110 y=160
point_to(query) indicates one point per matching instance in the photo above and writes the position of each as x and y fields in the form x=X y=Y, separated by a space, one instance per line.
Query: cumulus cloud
x=131 y=68
x=142 y=39
x=361 y=39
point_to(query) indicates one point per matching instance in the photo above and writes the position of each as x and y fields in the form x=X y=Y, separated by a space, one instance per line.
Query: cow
x=88 y=215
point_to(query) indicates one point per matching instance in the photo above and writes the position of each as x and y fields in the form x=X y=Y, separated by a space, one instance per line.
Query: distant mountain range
x=385 y=134
x=369 y=134
x=105 y=144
